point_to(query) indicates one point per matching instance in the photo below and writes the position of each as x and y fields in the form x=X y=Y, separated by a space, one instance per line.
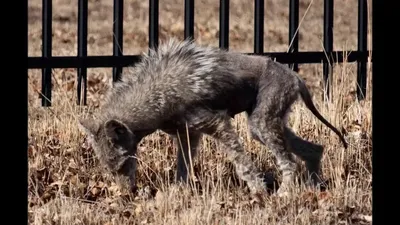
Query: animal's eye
x=111 y=142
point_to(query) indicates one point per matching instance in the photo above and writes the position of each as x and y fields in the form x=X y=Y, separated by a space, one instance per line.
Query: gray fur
x=183 y=85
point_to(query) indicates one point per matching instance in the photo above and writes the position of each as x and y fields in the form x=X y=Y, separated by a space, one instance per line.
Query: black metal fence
x=82 y=61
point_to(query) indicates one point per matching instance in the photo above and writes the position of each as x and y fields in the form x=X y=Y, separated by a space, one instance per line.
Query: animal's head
x=114 y=144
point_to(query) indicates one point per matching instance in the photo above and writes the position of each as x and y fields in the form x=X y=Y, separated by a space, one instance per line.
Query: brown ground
x=68 y=186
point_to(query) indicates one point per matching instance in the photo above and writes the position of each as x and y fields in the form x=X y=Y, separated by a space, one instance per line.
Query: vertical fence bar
x=328 y=43
x=293 y=24
x=82 y=48
x=189 y=19
x=224 y=24
x=259 y=26
x=46 y=51
x=118 y=35
x=362 y=47
x=153 y=24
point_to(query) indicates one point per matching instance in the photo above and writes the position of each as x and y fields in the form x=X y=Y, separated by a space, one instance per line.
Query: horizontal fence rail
x=327 y=57
x=128 y=60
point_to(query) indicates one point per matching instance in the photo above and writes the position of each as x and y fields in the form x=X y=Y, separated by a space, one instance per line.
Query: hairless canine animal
x=184 y=86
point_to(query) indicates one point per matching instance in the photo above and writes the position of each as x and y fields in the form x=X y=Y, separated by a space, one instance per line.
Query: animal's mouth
x=125 y=166
x=126 y=172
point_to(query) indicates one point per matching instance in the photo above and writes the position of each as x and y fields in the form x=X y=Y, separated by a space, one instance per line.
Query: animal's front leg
x=186 y=143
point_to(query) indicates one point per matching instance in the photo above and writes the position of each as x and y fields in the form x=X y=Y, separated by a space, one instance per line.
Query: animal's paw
x=283 y=194
x=283 y=191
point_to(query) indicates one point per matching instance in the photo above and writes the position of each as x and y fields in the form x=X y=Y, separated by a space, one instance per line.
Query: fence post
x=293 y=32
x=224 y=24
x=82 y=48
x=189 y=19
x=118 y=35
x=46 y=50
x=259 y=26
x=362 y=47
x=153 y=24
x=328 y=45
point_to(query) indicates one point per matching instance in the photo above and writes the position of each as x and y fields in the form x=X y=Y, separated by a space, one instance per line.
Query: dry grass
x=68 y=186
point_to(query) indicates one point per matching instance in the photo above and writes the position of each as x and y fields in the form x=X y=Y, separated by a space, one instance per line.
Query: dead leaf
x=72 y=164
x=114 y=205
x=324 y=195
x=70 y=85
x=74 y=179
x=31 y=151
x=362 y=217
x=69 y=151
x=159 y=198
x=46 y=196
x=58 y=183
x=126 y=213
x=95 y=191
x=100 y=184
x=138 y=210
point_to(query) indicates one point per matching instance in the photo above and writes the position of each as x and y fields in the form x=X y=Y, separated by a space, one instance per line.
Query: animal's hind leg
x=269 y=131
x=221 y=129
x=307 y=151
x=267 y=126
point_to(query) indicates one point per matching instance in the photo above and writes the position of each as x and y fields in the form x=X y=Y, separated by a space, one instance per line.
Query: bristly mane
x=178 y=69
x=173 y=58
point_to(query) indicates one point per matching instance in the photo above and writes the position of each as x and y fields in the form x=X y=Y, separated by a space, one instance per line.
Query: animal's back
x=183 y=68
x=179 y=74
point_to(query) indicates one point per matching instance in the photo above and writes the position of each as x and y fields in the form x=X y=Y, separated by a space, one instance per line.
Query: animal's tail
x=306 y=96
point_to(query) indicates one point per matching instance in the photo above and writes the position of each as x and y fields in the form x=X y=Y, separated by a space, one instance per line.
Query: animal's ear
x=117 y=131
x=88 y=125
